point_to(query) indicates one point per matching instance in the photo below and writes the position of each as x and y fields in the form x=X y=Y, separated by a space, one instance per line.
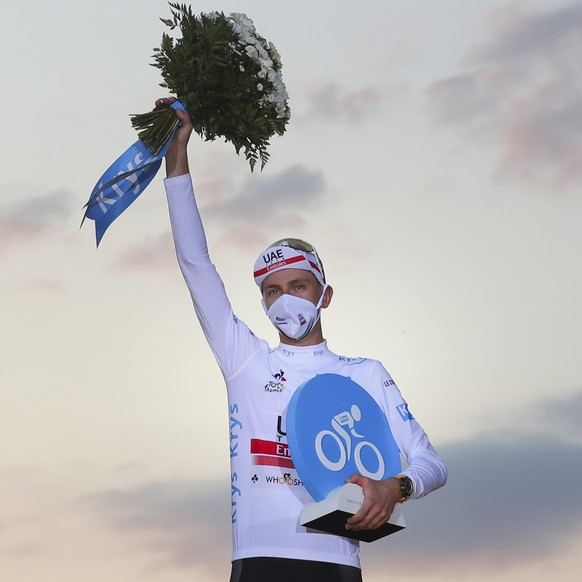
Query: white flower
x=267 y=63
x=243 y=27
x=259 y=86
x=263 y=54
x=241 y=68
x=242 y=20
x=252 y=52
x=244 y=37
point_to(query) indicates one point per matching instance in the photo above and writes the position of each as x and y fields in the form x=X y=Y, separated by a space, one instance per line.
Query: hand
x=380 y=497
x=177 y=154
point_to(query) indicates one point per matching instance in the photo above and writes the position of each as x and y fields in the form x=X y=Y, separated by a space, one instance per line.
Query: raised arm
x=230 y=339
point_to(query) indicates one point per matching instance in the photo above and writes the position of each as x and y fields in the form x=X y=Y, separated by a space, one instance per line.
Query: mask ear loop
x=317 y=309
x=320 y=302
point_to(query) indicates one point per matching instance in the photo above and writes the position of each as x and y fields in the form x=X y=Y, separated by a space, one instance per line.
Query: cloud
x=525 y=35
x=184 y=524
x=21 y=551
x=284 y=200
x=510 y=496
x=562 y=417
x=522 y=90
x=42 y=286
x=154 y=254
x=269 y=195
x=27 y=219
x=330 y=101
x=495 y=513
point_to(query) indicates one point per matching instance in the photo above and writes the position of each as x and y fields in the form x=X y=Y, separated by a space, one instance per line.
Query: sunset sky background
x=433 y=157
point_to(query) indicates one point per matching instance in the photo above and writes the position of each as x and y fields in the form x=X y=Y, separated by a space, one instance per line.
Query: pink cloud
x=28 y=219
x=332 y=101
x=154 y=254
x=520 y=93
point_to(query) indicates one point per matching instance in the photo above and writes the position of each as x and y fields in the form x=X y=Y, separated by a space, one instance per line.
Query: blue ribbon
x=123 y=182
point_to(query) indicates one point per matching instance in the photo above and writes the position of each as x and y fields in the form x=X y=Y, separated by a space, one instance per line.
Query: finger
x=368 y=523
x=370 y=516
x=377 y=519
x=357 y=479
x=164 y=101
x=361 y=517
x=361 y=522
x=183 y=116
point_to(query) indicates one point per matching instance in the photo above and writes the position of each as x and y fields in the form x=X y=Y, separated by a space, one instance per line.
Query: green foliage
x=223 y=88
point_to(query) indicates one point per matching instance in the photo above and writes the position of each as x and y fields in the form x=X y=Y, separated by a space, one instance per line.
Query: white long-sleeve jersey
x=267 y=494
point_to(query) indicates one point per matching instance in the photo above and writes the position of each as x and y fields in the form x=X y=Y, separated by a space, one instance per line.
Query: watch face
x=406 y=486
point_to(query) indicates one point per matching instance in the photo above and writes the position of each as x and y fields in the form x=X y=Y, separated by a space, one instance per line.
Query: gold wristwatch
x=405 y=487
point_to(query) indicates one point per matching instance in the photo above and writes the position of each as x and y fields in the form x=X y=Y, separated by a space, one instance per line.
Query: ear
x=327 y=297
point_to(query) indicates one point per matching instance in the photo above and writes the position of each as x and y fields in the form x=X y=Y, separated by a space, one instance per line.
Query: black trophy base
x=330 y=515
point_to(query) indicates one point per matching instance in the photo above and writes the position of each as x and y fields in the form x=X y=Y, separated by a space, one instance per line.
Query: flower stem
x=155 y=127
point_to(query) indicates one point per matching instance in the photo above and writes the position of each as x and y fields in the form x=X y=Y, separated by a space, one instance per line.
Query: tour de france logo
x=335 y=429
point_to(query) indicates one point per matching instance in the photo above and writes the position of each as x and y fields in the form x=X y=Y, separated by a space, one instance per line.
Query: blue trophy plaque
x=335 y=429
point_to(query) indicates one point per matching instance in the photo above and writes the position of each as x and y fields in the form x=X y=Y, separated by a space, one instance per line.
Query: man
x=267 y=495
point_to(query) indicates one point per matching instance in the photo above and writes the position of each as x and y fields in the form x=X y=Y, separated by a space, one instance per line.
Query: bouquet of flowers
x=226 y=75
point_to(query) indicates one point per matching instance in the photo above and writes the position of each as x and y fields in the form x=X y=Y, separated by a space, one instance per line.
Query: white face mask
x=294 y=316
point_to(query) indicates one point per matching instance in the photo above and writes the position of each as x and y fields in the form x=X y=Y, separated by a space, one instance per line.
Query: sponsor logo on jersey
x=404 y=412
x=284 y=479
x=235 y=428
x=271 y=454
x=276 y=385
x=235 y=494
x=281 y=431
x=389 y=382
x=351 y=361
x=270 y=479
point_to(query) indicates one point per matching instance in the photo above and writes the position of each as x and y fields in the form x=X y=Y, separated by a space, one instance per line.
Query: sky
x=434 y=159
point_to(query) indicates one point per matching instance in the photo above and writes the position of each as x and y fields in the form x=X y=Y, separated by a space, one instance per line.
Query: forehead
x=286 y=276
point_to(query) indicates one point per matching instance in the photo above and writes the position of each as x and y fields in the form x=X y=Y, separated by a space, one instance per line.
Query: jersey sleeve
x=426 y=468
x=230 y=339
